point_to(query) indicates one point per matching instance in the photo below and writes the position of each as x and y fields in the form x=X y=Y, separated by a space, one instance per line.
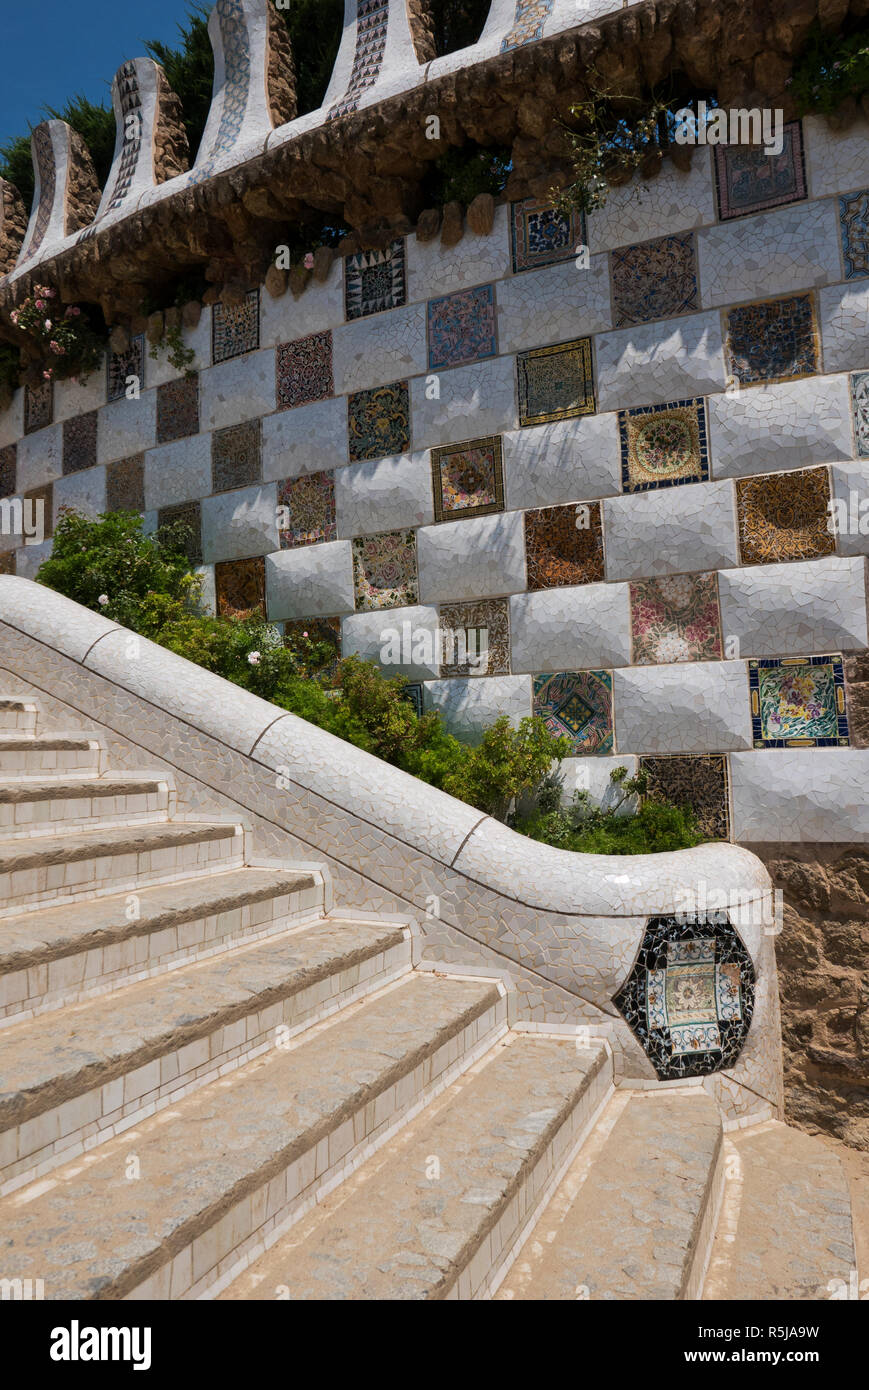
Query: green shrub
x=831 y=68
x=654 y=827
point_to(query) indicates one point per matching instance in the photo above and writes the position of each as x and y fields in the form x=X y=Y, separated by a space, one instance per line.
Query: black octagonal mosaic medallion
x=690 y=995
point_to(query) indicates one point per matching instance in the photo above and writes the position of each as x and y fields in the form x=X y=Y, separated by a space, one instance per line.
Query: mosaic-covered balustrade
x=632 y=484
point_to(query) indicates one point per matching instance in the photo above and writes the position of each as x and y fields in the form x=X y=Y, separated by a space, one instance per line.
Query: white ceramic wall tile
x=672 y=202
x=775 y=253
x=692 y=707
x=593 y=775
x=29 y=558
x=470 y=704
x=40 y=458
x=844 y=314
x=836 y=161
x=74 y=397
x=584 y=627
x=410 y=635
x=482 y=557
x=321 y=306
x=554 y=304
x=379 y=348
x=83 y=492
x=671 y=530
x=178 y=472
x=851 y=492
x=12 y=420
x=657 y=362
x=387 y=494
x=476 y=260
x=795 y=609
x=310 y=581
x=237 y=525
x=800 y=795
x=305 y=440
x=787 y=425
x=208 y=602
x=569 y=461
x=472 y=401
x=126 y=427
x=240 y=389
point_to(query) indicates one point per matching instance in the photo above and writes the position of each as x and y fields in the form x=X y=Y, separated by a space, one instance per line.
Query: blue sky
x=53 y=49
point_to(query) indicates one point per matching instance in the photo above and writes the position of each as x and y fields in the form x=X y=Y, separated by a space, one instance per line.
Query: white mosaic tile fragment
x=577 y=628
x=672 y=202
x=379 y=348
x=774 y=253
x=553 y=304
x=29 y=558
x=83 y=492
x=178 y=472
x=126 y=427
x=787 y=425
x=239 y=389
x=40 y=458
x=12 y=420
x=466 y=403
x=568 y=461
x=671 y=530
x=73 y=397
x=836 y=161
x=310 y=581
x=237 y=525
x=470 y=704
x=800 y=794
x=844 y=315
x=695 y=707
x=403 y=641
x=304 y=440
x=851 y=496
x=652 y=363
x=286 y=318
x=388 y=494
x=593 y=775
x=483 y=556
x=476 y=260
x=795 y=609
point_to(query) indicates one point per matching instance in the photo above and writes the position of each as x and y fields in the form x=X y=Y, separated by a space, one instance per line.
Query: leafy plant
x=315 y=28
x=461 y=173
x=179 y=356
x=189 y=70
x=654 y=826
x=831 y=68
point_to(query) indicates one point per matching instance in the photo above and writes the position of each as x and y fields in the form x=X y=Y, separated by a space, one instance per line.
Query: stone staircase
x=212 y=1085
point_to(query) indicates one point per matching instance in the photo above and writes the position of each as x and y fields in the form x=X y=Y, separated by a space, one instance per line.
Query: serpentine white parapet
x=46 y=230
x=135 y=92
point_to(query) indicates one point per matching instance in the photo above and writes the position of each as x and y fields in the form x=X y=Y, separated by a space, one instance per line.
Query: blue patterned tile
x=461 y=327
x=654 y=280
x=854 y=227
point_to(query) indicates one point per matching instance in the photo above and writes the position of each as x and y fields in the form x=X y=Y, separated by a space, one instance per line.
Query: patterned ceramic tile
x=412 y=693
x=8 y=457
x=476 y=638
x=235 y=329
x=7 y=561
x=125 y=485
x=689 y=998
x=372 y=18
x=384 y=571
x=663 y=445
x=655 y=280
x=784 y=516
x=304 y=370
x=44 y=497
x=860 y=408
x=528 y=23
x=189 y=516
x=542 y=236
x=577 y=705
x=564 y=545
x=121 y=365
x=696 y=780
x=375 y=280
x=177 y=409
x=461 y=327
x=80 y=442
x=467 y=479
x=240 y=587
x=775 y=340
x=555 y=383
x=236 y=456
x=854 y=225
x=306 y=510
x=237 y=60
x=749 y=180
x=798 y=702
x=378 y=421
x=38 y=406
x=324 y=634
x=131 y=107
x=675 y=618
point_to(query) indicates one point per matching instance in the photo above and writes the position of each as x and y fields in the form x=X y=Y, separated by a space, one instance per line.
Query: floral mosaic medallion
x=188 y=515
x=236 y=454
x=235 y=328
x=461 y=327
x=80 y=442
x=378 y=421
x=374 y=280
x=798 y=702
x=854 y=226
x=555 y=383
x=38 y=406
x=384 y=571
x=662 y=445
x=577 y=705
x=541 y=236
x=8 y=469
x=860 y=408
x=177 y=409
x=120 y=366
x=304 y=370
x=698 y=780
x=476 y=638
x=467 y=479
x=655 y=280
x=750 y=180
x=675 y=618
x=564 y=545
x=784 y=516
x=306 y=510
x=240 y=586
x=775 y=340
x=689 y=998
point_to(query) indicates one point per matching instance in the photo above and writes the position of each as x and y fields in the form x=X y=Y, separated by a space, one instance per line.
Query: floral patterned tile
x=304 y=370
x=120 y=366
x=38 y=406
x=476 y=638
x=236 y=456
x=860 y=408
x=189 y=516
x=698 y=780
x=384 y=571
x=240 y=587
x=125 y=485
x=675 y=618
x=235 y=328
x=468 y=479
x=663 y=445
x=177 y=408
x=564 y=545
x=8 y=469
x=798 y=702
x=375 y=280
x=555 y=383
x=541 y=236
x=80 y=442
x=784 y=516
x=749 y=180
x=306 y=510
x=655 y=280
x=461 y=327
x=378 y=421
x=774 y=340
x=577 y=705
x=854 y=227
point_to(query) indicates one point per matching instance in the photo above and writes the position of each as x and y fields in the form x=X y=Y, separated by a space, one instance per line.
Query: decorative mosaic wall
x=634 y=484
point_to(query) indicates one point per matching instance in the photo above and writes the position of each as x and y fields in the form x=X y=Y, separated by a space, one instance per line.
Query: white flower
x=254 y=658
x=103 y=600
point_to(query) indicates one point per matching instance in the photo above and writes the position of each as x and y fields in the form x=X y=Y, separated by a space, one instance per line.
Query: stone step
x=85 y=863
x=56 y=955
x=34 y=755
x=635 y=1214
x=174 y=1204
x=786 y=1229
x=44 y=806
x=18 y=713
x=402 y=1228
x=100 y=1066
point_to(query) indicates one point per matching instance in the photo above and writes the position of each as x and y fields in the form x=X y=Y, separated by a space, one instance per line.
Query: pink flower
x=41 y=304
x=103 y=600
x=75 y=311
x=254 y=658
x=304 y=634
x=47 y=325
x=47 y=374
x=309 y=261
x=14 y=316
